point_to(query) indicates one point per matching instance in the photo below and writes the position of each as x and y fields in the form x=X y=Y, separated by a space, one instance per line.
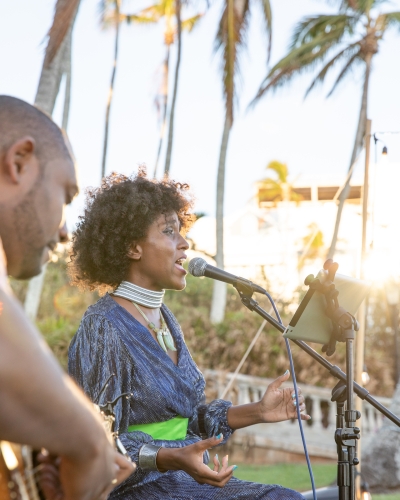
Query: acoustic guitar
x=19 y=471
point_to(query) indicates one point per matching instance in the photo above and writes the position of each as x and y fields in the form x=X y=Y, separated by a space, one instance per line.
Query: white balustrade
x=332 y=416
x=247 y=389
x=316 y=412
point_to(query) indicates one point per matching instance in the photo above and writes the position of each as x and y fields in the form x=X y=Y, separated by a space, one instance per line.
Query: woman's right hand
x=190 y=460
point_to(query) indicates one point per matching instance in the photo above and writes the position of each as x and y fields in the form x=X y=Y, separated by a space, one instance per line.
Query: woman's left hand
x=279 y=404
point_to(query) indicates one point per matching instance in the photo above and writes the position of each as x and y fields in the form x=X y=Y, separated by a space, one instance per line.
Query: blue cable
x=297 y=399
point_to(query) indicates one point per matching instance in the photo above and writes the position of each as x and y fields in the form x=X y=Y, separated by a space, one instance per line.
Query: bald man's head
x=37 y=179
x=19 y=119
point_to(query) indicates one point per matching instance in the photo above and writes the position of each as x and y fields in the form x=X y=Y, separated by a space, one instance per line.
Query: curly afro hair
x=116 y=214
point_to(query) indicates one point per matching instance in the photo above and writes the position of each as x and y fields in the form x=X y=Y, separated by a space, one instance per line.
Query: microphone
x=198 y=267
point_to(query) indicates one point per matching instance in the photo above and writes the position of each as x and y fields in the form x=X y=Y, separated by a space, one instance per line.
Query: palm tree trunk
x=67 y=72
x=219 y=292
x=50 y=77
x=172 y=110
x=46 y=95
x=111 y=89
x=358 y=143
x=165 y=106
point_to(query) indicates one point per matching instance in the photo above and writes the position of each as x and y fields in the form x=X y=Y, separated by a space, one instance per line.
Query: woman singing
x=130 y=241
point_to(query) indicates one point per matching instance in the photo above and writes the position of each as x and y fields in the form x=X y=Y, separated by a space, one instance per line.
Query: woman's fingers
x=216 y=464
x=206 y=444
x=302 y=404
x=208 y=476
x=224 y=463
x=299 y=393
x=279 y=381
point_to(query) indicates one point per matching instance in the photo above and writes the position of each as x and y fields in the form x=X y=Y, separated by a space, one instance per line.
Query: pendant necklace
x=163 y=334
x=147 y=298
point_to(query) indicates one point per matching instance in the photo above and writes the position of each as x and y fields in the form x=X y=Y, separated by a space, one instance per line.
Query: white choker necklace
x=142 y=296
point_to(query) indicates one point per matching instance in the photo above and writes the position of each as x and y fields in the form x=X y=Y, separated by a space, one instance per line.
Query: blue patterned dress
x=111 y=341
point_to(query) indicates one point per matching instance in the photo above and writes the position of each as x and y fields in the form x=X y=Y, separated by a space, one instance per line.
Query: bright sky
x=314 y=136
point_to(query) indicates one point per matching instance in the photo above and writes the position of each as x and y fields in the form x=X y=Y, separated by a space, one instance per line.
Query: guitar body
x=17 y=473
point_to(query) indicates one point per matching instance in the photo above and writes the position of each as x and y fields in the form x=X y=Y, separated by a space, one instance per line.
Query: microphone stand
x=345 y=326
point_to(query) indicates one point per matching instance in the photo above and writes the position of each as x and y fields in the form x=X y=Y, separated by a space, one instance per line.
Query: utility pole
x=360 y=337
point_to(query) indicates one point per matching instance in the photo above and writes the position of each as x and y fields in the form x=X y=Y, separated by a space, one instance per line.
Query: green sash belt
x=170 y=430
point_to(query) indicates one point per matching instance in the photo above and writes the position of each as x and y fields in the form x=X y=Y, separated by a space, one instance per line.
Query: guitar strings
x=30 y=488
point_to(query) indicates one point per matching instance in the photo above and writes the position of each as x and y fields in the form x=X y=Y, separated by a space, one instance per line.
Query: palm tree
x=168 y=155
x=57 y=57
x=350 y=38
x=56 y=63
x=278 y=188
x=116 y=4
x=168 y=10
x=230 y=39
x=170 y=34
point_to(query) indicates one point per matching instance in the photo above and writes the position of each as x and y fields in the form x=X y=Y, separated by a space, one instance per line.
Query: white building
x=270 y=239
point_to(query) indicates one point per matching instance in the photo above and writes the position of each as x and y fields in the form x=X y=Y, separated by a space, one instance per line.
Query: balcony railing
x=283 y=435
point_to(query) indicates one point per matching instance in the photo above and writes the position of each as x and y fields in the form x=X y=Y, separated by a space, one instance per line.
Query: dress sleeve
x=213 y=419
x=96 y=353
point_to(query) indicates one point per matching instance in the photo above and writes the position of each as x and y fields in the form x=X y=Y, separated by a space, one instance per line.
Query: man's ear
x=18 y=159
x=135 y=251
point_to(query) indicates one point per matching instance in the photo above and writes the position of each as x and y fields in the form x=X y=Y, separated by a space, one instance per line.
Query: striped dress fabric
x=111 y=341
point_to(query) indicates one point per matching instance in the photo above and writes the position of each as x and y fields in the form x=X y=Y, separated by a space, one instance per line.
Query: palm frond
x=281 y=170
x=359 y=6
x=149 y=15
x=270 y=190
x=343 y=5
x=316 y=27
x=266 y=8
x=364 y=6
x=347 y=67
x=296 y=62
x=137 y=18
x=191 y=22
x=63 y=15
x=157 y=11
x=346 y=52
x=306 y=55
x=229 y=40
x=389 y=20
x=109 y=20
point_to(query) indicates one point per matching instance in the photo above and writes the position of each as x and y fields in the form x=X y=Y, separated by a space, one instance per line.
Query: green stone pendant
x=164 y=337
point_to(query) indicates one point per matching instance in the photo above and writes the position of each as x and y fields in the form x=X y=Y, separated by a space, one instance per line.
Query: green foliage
x=393 y=496
x=221 y=346
x=61 y=307
x=163 y=9
x=279 y=188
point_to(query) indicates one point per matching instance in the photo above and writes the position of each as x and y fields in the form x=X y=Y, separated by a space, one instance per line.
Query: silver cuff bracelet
x=148 y=457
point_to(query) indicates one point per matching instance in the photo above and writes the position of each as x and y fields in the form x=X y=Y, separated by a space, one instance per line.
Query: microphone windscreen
x=197 y=266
